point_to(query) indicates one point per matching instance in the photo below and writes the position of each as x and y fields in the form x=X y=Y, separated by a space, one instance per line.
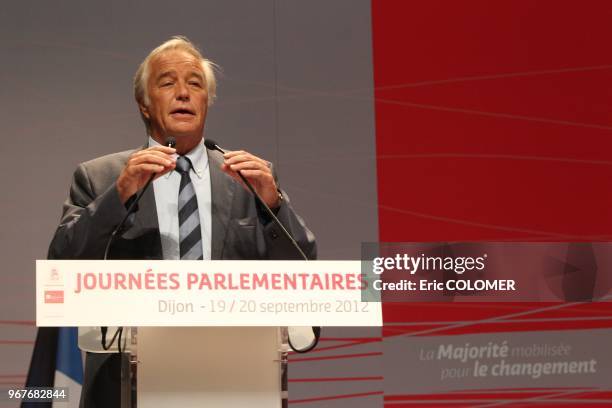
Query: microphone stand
x=170 y=142
x=212 y=145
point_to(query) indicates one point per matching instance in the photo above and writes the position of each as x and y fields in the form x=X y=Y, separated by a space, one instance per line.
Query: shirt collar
x=197 y=156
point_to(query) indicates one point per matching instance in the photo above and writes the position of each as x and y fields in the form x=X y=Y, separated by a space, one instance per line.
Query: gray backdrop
x=295 y=88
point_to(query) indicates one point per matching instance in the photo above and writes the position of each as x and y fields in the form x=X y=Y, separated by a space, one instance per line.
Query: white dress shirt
x=166 y=190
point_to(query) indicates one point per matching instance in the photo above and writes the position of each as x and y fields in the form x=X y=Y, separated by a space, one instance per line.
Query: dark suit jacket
x=239 y=229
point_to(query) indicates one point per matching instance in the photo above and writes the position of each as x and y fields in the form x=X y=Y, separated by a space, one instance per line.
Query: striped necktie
x=190 y=235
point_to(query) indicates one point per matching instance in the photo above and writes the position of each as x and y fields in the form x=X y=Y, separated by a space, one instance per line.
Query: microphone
x=170 y=142
x=212 y=145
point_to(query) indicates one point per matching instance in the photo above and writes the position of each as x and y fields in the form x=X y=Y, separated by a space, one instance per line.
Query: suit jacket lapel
x=145 y=228
x=222 y=192
x=144 y=231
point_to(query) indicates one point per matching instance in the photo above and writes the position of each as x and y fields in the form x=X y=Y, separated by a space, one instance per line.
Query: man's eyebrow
x=166 y=74
x=196 y=74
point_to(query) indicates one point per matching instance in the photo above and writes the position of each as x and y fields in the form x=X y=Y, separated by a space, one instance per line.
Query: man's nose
x=182 y=92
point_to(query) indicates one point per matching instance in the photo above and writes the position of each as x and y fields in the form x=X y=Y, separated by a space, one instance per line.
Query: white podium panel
x=202 y=293
x=209 y=367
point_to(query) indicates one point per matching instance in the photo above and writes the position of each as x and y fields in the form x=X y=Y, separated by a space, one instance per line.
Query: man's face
x=177 y=98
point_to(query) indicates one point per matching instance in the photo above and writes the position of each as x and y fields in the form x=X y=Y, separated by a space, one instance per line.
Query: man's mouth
x=182 y=112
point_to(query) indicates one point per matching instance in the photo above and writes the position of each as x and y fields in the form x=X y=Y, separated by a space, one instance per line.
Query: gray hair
x=181 y=43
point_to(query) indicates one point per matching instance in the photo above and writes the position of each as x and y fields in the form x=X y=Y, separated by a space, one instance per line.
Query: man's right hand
x=157 y=160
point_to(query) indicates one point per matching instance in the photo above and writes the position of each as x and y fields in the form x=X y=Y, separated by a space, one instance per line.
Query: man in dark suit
x=196 y=208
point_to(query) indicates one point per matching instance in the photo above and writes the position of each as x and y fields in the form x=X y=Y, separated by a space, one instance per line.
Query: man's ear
x=144 y=110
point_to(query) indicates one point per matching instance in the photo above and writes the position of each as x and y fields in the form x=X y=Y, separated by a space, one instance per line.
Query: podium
x=215 y=367
x=202 y=333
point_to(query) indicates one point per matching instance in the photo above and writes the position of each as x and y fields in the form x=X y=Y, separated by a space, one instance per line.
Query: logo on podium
x=54 y=296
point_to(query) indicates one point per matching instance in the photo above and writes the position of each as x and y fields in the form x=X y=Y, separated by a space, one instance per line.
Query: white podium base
x=216 y=367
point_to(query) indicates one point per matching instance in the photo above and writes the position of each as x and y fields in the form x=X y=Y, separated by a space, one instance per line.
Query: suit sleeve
x=88 y=220
x=278 y=246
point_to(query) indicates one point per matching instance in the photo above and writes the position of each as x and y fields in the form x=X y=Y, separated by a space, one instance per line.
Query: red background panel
x=493 y=119
x=493 y=123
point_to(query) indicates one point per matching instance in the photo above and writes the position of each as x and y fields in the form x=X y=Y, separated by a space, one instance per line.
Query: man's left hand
x=256 y=170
